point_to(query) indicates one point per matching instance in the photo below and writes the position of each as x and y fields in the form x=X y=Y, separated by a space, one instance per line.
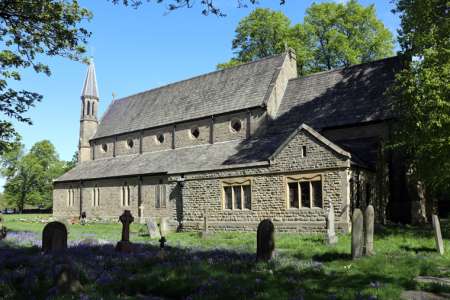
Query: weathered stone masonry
x=235 y=145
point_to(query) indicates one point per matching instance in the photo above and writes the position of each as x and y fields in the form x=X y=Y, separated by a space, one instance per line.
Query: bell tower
x=89 y=107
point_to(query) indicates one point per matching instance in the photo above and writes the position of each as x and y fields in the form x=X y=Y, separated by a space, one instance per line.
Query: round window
x=236 y=125
x=195 y=132
x=130 y=143
x=160 y=138
x=104 y=147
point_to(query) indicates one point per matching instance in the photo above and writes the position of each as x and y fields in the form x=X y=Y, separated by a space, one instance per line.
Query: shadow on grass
x=418 y=249
x=424 y=231
x=182 y=273
x=332 y=256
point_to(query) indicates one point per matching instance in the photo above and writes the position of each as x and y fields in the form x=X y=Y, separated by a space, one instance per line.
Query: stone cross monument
x=124 y=245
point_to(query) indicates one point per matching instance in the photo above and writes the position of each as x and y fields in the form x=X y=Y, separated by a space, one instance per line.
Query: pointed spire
x=90 y=83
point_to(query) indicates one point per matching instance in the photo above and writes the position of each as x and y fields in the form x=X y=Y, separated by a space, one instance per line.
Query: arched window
x=70 y=196
x=160 y=195
x=96 y=196
x=125 y=201
x=93 y=108
x=88 y=108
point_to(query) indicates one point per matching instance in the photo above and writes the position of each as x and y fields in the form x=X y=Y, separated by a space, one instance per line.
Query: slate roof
x=335 y=98
x=328 y=99
x=237 y=88
x=339 y=97
x=181 y=160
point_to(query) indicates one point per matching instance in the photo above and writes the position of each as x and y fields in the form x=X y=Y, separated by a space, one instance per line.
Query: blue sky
x=136 y=50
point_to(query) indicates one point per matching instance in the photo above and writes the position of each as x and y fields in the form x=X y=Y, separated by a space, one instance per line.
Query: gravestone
x=163 y=226
x=54 y=237
x=433 y=280
x=66 y=280
x=438 y=235
x=83 y=218
x=265 y=242
x=369 y=221
x=124 y=245
x=152 y=228
x=205 y=232
x=2 y=228
x=331 y=232
x=357 y=234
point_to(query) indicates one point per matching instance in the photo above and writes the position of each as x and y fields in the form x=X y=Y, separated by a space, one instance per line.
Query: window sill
x=304 y=208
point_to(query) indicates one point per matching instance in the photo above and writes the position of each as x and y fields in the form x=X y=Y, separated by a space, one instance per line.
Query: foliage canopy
x=422 y=91
x=332 y=35
x=28 y=31
x=29 y=177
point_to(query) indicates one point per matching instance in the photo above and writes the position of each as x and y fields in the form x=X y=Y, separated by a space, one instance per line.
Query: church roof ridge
x=363 y=64
x=200 y=76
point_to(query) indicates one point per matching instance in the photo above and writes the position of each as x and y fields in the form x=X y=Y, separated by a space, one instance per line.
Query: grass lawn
x=222 y=266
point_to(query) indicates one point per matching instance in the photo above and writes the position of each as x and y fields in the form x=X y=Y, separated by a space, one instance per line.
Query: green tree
x=332 y=35
x=72 y=163
x=263 y=33
x=346 y=34
x=29 y=179
x=266 y=32
x=422 y=91
x=29 y=30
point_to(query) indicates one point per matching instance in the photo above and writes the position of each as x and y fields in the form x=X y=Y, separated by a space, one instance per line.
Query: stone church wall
x=202 y=193
x=127 y=144
x=222 y=132
x=99 y=148
x=150 y=141
x=184 y=138
x=222 y=127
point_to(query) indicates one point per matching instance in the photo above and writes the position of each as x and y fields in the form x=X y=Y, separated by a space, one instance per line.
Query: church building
x=238 y=146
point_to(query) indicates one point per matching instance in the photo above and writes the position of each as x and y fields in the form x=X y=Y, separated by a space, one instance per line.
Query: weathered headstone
x=2 y=228
x=369 y=221
x=265 y=241
x=205 y=232
x=422 y=295
x=438 y=235
x=124 y=245
x=152 y=228
x=433 y=280
x=66 y=280
x=83 y=218
x=357 y=233
x=331 y=232
x=163 y=226
x=141 y=215
x=54 y=237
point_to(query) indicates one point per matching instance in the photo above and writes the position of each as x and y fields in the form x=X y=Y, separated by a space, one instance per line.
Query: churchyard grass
x=223 y=266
